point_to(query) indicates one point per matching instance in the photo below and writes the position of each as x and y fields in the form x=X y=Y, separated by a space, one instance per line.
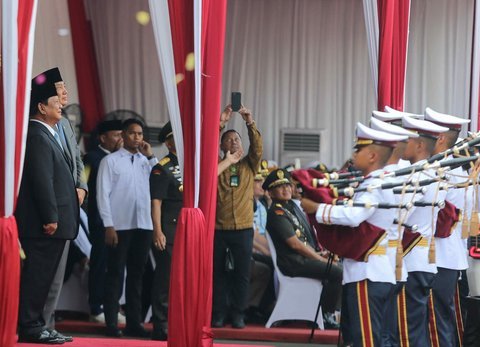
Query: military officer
x=295 y=256
x=368 y=282
x=167 y=200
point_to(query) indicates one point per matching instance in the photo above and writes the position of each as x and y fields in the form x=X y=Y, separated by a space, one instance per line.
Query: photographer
x=234 y=220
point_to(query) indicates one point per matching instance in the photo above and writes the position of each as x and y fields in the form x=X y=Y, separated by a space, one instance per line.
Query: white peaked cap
x=390 y=110
x=446 y=120
x=390 y=128
x=368 y=136
x=423 y=127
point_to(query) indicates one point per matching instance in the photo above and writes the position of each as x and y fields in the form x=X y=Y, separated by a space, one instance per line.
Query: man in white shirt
x=123 y=198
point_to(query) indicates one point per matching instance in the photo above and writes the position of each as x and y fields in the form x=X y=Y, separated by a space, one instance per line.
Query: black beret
x=276 y=178
x=109 y=125
x=165 y=133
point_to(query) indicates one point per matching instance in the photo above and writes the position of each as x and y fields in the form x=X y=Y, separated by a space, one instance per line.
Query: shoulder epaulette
x=164 y=161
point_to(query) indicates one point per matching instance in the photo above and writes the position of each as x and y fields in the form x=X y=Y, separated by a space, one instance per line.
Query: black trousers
x=161 y=286
x=132 y=252
x=366 y=305
x=414 y=299
x=240 y=243
x=471 y=337
x=98 y=268
x=38 y=271
x=444 y=286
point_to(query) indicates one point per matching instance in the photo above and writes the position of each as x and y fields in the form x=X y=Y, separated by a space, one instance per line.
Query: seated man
x=295 y=256
x=262 y=294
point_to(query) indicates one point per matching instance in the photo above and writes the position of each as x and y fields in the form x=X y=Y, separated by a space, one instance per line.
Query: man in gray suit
x=47 y=212
x=72 y=152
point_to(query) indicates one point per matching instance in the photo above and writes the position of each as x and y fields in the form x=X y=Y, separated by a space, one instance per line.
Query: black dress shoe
x=218 y=322
x=159 y=335
x=41 y=337
x=113 y=332
x=54 y=333
x=137 y=331
x=238 y=322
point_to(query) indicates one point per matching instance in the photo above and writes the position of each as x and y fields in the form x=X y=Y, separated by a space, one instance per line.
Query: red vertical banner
x=393 y=20
x=89 y=91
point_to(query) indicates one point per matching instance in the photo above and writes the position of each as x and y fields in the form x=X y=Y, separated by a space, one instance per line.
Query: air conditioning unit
x=305 y=145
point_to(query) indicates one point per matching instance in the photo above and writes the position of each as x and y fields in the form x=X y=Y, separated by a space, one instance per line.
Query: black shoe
x=218 y=322
x=160 y=335
x=238 y=322
x=113 y=332
x=41 y=337
x=54 y=333
x=137 y=331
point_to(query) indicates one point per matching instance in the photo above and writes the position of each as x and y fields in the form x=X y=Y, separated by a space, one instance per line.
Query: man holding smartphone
x=234 y=221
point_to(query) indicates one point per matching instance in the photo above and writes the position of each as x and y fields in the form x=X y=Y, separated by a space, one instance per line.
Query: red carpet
x=291 y=333
x=100 y=342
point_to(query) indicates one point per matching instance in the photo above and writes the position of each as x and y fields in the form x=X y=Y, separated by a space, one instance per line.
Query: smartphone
x=236 y=101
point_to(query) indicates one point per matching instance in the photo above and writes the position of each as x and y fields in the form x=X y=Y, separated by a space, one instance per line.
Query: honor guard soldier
x=368 y=281
x=395 y=117
x=420 y=261
x=451 y=257
x=166 y=191
x=395 y=250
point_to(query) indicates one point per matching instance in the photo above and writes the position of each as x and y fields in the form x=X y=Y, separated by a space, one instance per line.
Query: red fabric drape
x=89 y=91
x=9 y=280
x=213 y=46
x=191 y=280
x=9 y=250
x=393 y=20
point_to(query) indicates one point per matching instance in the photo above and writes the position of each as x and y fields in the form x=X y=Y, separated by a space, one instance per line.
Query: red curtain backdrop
x=191 y=281
x=89 y=91
x=393 y=20
x=9 y=248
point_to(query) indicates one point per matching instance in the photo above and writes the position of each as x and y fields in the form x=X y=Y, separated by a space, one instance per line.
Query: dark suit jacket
x=92 y=161
x=47 y=191
x=73 y=152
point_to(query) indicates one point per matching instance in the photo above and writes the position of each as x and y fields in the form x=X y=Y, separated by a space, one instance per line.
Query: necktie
x=132 y=158
x=57 y=137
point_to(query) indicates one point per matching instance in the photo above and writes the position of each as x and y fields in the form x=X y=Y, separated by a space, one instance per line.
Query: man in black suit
x=47 y=211
x=72 y=151
x=110 y=137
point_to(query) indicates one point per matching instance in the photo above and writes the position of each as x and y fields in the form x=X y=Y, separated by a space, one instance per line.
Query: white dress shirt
x=451 y=252
x=378 y=268
x=426 y=219
x=401 y=215
x=123 y=190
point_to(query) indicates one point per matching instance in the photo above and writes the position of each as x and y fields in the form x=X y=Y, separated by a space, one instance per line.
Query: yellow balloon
x=190 y=62
x=143 y=17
